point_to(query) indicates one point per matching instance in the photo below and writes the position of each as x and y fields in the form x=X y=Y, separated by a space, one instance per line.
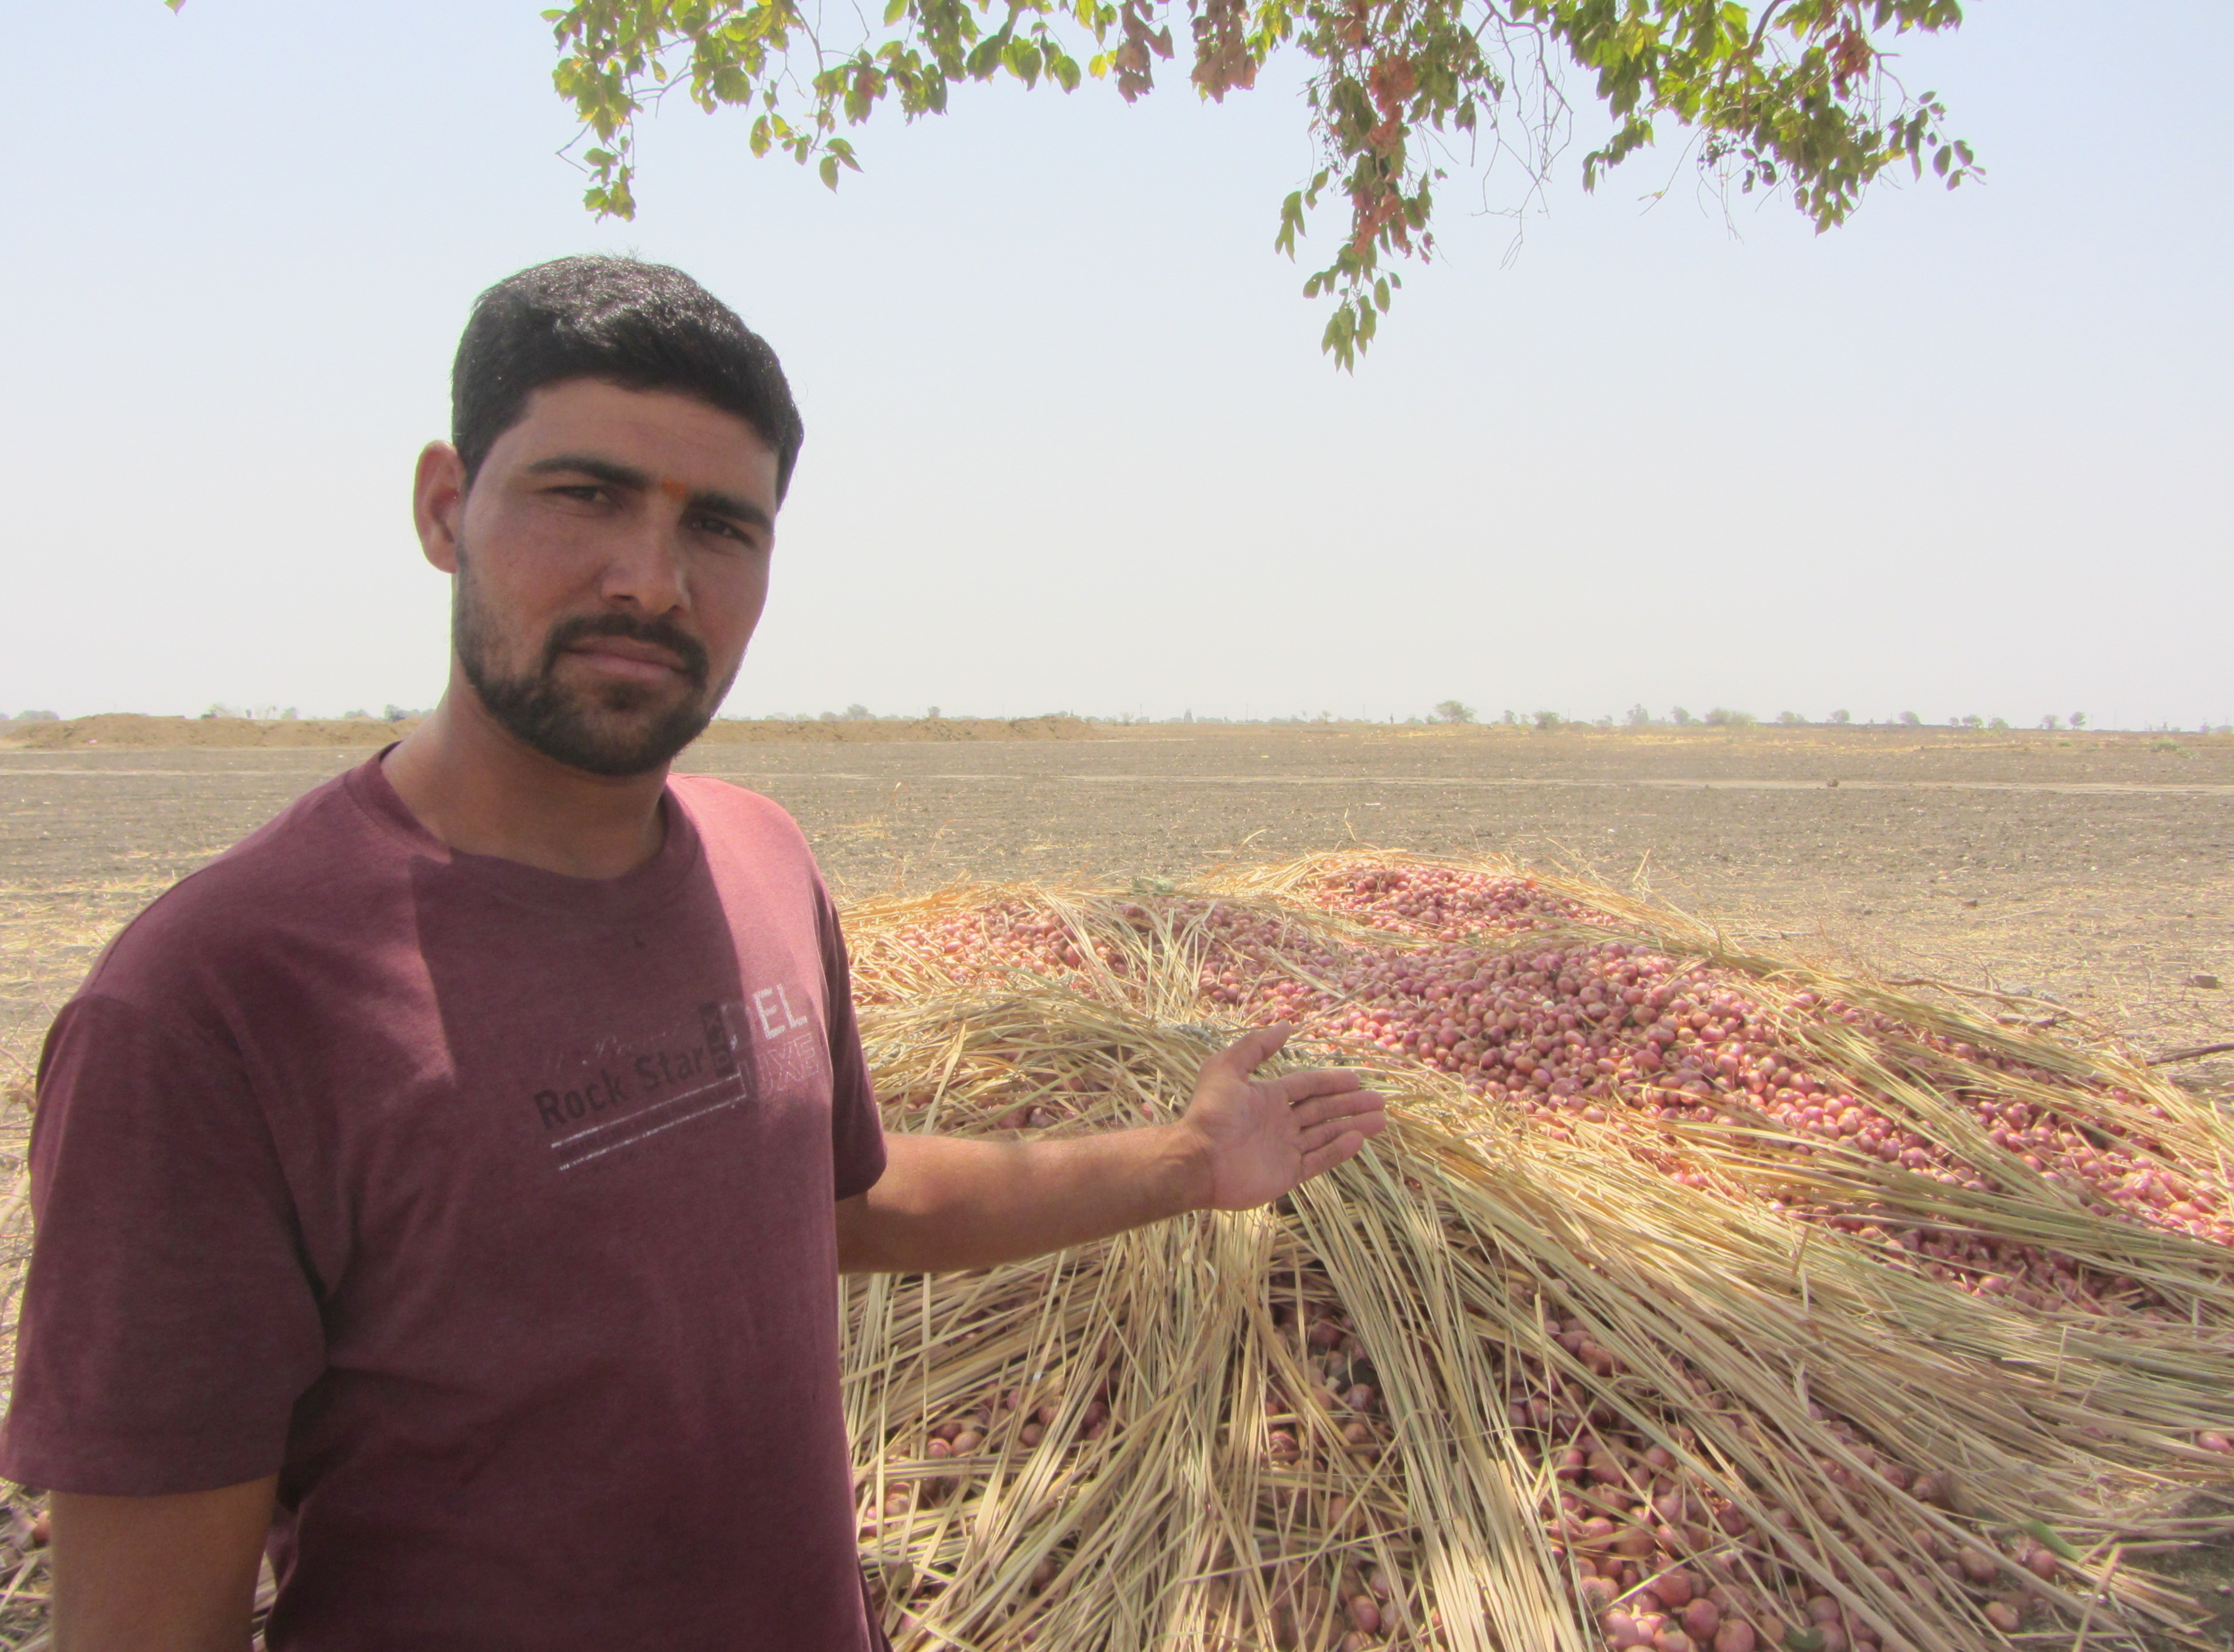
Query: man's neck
x=475 y=786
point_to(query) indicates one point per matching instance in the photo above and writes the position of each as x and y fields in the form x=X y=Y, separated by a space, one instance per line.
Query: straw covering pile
x=1693 y=1300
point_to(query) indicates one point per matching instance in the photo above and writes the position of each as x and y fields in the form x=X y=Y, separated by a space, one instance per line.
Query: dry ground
x=2098 y=870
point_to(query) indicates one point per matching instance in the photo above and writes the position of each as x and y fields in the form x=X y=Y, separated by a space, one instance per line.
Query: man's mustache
x=658 y=633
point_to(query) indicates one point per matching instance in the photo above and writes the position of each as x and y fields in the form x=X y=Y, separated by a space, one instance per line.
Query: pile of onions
x=1563 y=1018
x=1649 y=1552
x=1653 y=1558
x=1624 y=1037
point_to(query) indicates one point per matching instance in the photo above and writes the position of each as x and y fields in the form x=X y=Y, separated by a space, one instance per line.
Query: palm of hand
x=1261 y=1137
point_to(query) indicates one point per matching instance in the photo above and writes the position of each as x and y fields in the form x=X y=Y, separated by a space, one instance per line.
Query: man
x=447 y=1187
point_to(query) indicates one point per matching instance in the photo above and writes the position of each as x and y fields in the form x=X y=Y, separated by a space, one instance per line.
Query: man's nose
x=645 y=571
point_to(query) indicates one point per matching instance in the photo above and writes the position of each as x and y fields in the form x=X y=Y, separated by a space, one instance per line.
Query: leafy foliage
x=1796 y=95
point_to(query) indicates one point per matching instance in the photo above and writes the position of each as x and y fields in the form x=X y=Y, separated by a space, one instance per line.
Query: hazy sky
x=1071 y=442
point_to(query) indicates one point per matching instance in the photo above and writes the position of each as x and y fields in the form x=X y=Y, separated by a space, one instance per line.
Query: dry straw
x=1193 y=1485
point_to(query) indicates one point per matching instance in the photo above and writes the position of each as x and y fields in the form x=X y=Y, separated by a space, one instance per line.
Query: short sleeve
x=857 y=1134
x=169 y=1323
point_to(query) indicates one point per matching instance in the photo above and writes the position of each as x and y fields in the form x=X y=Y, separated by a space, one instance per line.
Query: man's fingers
x=1298 y=1089
x=1364 y=1126
x=1253 y=1049
x=1322 y=1160
x=1341 y=1105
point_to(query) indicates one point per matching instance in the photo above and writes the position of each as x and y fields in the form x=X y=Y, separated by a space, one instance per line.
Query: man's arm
x=945 y=1201
x=159 y=1574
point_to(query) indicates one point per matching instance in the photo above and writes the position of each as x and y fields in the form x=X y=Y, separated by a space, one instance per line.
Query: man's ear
x=438 y=504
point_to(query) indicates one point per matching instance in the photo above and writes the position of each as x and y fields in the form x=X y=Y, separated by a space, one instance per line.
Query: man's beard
x=564 y=723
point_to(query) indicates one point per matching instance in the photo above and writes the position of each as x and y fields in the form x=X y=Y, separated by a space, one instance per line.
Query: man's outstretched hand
x=955 y=1202
x=1259 y=1137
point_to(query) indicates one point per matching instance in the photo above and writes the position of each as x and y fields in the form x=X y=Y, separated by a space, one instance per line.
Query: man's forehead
x=675 y=438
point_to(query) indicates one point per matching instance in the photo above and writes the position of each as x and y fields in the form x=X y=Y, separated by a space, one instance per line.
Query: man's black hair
x=642 y=326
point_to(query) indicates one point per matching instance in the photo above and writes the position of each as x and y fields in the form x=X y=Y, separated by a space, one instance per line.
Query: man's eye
x=726 y=528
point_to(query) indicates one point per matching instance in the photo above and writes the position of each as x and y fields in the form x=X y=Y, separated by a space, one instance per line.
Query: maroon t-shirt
x=491 y=1209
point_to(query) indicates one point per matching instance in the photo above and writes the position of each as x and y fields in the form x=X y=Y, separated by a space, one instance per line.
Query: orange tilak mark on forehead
x=674 y=490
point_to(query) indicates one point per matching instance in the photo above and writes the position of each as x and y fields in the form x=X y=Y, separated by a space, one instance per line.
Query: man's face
x=611 y=560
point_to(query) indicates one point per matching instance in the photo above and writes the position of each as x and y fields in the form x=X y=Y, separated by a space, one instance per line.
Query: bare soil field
x=2096 y=869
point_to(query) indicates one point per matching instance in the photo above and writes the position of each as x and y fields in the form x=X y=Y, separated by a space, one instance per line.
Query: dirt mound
x=130 y=729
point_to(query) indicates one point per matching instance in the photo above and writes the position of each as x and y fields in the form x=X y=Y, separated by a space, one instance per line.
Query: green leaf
x=1768 y=96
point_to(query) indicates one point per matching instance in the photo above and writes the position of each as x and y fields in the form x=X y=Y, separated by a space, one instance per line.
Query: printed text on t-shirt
x=626 y=1091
